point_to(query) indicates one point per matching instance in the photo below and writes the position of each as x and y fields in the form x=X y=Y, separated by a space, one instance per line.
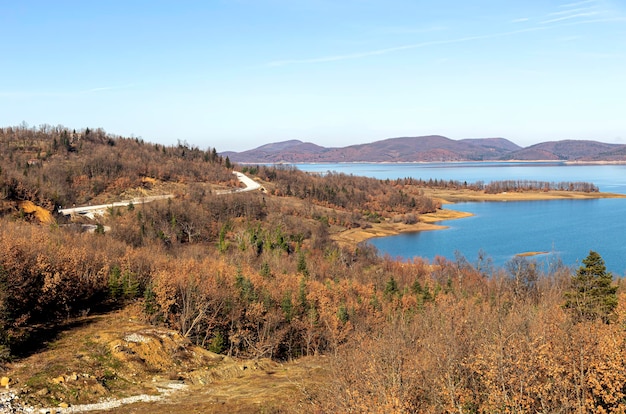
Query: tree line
x=500 y=186
x=346 y=192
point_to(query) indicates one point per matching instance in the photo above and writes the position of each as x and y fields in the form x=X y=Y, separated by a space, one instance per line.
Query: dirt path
x=267 y=389
x=100 y=209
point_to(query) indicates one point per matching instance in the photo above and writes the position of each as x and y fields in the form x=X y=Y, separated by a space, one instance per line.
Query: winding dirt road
x=100 y=210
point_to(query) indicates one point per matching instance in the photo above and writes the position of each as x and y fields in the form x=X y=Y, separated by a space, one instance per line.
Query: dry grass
x=40 y=213
x=115 y=355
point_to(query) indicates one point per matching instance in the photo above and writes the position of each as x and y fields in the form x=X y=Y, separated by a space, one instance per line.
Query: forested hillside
x=57 y=166
x=257 y=275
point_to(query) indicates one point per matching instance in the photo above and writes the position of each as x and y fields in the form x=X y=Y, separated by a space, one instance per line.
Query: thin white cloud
x=358 y=55
x=106 y=88
x=574 y=16
x=350 y=56
x=569 y=17
x=572 y=11
x=584 y=12
x=578 y=3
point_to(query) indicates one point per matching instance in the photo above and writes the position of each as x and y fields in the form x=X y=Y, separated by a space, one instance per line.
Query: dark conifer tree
x=592 y=294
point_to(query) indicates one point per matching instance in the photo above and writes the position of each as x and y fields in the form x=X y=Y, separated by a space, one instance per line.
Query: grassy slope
x=115 y=355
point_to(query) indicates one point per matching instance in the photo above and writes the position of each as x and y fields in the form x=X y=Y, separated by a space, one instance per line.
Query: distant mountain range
x=432 y=148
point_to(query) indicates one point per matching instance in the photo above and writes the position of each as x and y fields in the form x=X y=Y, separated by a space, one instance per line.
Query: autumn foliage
x=257 y=275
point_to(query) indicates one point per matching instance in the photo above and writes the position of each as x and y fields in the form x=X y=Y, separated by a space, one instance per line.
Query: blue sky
x=236 y=74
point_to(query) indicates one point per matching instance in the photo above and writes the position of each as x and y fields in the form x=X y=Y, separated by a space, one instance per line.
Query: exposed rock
x=58 y=380
x=42 y=392
x=10 y=403
x=136 y=338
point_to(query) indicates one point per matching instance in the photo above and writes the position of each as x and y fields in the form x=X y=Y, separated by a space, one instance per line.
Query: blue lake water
x=567 y=229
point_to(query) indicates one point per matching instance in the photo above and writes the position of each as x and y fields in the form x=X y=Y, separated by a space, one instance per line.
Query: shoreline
x=354 y=236
x=427 y=222
x=512 y=161
x=463 y=195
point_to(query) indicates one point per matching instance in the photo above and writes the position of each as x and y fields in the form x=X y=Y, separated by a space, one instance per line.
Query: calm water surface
x=566 y=229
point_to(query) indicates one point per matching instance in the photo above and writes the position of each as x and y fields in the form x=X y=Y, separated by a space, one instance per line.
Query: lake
x=566 y=229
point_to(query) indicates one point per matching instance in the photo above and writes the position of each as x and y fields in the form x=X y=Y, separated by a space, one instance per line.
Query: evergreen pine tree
x=303 y=302
x=130 y=287
x=391 y=288
x=592 y=294
x=302 y=267
x=287 y=306
x=115 y=282
x=150 y=306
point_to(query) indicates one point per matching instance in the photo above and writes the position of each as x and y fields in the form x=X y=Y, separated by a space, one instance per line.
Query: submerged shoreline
x=428 y=221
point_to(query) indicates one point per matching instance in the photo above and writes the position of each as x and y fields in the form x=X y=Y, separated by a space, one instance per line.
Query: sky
x=237 y=74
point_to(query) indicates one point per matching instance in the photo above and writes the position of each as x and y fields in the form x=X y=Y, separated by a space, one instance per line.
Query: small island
x=529 y=254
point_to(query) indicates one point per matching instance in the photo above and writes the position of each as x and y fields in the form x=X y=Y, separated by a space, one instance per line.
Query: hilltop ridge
x=432 y=148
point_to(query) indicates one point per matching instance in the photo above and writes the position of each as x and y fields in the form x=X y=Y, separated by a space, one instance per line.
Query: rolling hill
x=569 y=150
x=432 y=148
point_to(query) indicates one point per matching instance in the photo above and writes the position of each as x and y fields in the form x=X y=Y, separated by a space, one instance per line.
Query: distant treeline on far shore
x=494 y=187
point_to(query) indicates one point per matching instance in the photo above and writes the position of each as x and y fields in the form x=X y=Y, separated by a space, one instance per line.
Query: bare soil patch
x=115 y=358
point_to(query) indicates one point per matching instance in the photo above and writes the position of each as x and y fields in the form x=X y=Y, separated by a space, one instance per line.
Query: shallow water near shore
x=565 y=229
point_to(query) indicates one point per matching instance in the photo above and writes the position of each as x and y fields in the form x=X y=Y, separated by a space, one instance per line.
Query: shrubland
x=257 y=275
